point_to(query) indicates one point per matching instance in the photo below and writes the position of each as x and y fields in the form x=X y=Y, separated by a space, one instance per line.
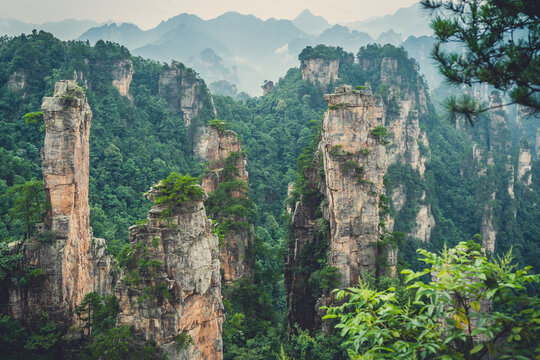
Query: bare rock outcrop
x=122 y=74
x=180 y=87
x=524 y=167
x=353 y=159
x=354 y=162
x=483 y=163
x=424 y=224
x=73 y=263
x=267 y=87
x=320 y=71
x=177 y=296
x=537 y=148
x=225 y=163
x=16 y=81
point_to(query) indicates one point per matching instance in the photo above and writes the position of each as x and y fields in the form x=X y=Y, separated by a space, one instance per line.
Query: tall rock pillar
x=355 y=162
x=226 y=166
x=72 y=263
x=65 y=162
x=341 y=215
x=175 y=296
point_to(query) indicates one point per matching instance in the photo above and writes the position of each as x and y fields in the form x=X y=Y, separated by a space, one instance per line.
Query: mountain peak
x=304 y=13
x=310 y=23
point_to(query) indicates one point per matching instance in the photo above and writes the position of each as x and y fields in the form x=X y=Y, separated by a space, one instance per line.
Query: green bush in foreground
x=472 y=307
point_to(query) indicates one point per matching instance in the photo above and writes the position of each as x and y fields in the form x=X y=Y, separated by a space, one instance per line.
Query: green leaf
x=477 y=348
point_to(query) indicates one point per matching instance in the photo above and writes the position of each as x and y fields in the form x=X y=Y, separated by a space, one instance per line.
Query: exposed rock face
x=182 y=293
x=267 y=87
x=410 y=145
x=424 y=224
x=499 y=135
x=219 y=146
x=353 y=194
x=487 y=229
x=122 y=75
x=320 y=71
x=182 y=90
x=16 y=81
x=354 y=162
x=223 y=147
x=538 y=143
x=524 y=165
x=389 y=68
x=399 y=197
x=74 y=263
x=484 y=161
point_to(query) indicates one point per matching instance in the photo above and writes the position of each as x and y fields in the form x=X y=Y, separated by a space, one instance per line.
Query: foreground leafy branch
x=472 y=307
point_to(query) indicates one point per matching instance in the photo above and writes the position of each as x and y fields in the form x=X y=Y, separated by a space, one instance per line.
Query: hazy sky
x=148 y=13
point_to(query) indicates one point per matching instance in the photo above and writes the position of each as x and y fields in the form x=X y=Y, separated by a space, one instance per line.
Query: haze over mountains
x=243 y=49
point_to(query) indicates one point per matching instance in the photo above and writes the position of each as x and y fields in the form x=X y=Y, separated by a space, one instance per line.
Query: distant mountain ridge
x=68 y=29
x=243 y=49
x=412 y=20
x=310 y=24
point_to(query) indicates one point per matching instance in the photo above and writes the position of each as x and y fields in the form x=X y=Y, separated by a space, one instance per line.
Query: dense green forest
x=136 y=142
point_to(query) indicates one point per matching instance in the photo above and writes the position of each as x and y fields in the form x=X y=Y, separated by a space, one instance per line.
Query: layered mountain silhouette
x=244 y=50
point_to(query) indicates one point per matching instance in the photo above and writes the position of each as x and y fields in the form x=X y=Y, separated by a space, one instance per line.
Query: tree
x=472 y=307
x=29 y=204
x=501 y=43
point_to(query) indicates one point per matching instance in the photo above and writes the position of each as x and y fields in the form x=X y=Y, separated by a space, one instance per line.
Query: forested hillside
x=135 y=139
x=445 y=182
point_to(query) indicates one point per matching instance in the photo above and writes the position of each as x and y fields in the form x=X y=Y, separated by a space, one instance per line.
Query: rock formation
x=16 y=81
x=351 y=217
x=320 y=71
x=122 y=74
x=223 y=154
x=177 y=295
x=267 y=87
x=403 y=108
x=484 y=162
x=73 y=262
x=537 y=148
x=354 y=163
x=182 y=90
x=171 y=290
x=424 y=223
x=524 y=164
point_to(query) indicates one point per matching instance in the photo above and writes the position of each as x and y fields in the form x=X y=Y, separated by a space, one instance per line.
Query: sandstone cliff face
x=354 y=162
x=524 y=167
x=484 y=161
x=353 y=182
x=182 y=90
x=122 y=74
x=538 y=143
x=267 y=87
x=424 y=224
x=410 y=145
x=181 y=292
x=73 y=262
x=223 y=146
x=320 y=70
x=16 y=81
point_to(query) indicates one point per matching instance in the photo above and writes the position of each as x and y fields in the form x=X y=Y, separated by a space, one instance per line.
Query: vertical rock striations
x=354 y=162
x=405 y=102
x=524 y=175
x=343 y=207
x=73 y=263
x=122 y=74
x=180 y=87
x=320 y=71
x=171 y=291
x=226 y=176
